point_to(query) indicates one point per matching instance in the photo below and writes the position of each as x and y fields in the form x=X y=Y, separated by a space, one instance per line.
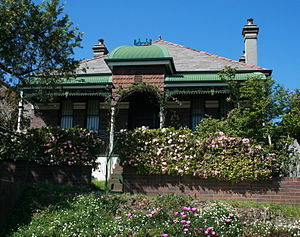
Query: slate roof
x=185 y=59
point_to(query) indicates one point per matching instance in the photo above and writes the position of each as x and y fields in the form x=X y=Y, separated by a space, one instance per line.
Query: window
x=212 y=108
x=197 y=111
x=93 y=117
x=66 y=114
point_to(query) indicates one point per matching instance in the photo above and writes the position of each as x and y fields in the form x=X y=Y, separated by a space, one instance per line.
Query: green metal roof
x=80 y=79
x=186 y=77
x=139 y=52
x=91 y=79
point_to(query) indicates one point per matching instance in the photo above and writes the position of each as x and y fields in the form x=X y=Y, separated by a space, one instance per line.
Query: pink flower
x=164 y=235
x=245 y=140
x=244 y=223
x=175 y=220
x=231 y=215
x=183 y=221
x=149 y=215
x=129 y=215
x=118 y=217
x=194 y=209
x=176 y=213
x=227 y=220
x=195 y=228
x=196 y=214
x=209 y=228
x=185 y=229
x=186 y=208
x=213 y=233
x=206 y=232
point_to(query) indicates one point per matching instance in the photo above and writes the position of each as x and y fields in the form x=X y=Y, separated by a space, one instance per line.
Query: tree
x=36 y=39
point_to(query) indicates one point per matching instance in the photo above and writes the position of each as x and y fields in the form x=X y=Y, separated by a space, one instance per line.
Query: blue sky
x=213 y=26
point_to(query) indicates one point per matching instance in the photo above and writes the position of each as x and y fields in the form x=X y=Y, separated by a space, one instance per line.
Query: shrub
x=53 y=146
x=183 y=152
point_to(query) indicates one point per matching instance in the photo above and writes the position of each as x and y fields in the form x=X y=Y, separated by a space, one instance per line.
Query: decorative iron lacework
x=198 y=91
x=73 y=93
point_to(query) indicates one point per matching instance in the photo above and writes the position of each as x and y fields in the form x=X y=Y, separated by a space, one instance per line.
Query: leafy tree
x=290 y=124
x=35 y=39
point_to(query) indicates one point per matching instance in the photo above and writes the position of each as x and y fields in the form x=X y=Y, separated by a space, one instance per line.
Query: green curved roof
x=139 y=52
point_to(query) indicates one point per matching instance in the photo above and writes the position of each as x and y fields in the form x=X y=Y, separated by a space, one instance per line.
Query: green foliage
x=50 y=210
x=182 y=152
x=290 y=123
x=36 y=38
x=259 y=106
x=52 y=146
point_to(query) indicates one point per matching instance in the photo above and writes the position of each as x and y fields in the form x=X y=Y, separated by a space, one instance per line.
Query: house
x=153 y=84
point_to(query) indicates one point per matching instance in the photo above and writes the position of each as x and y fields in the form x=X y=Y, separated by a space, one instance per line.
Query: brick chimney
x=100 y=48
x=250 y=32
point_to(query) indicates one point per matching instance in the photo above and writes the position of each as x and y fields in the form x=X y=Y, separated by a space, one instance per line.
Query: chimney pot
x=250 y=21
x=101 y=41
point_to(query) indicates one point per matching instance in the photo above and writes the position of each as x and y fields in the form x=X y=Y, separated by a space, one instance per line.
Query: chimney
x=100 y=49
x=250 y=32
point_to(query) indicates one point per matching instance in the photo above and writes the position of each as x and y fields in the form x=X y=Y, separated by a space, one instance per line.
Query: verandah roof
x=203 y=77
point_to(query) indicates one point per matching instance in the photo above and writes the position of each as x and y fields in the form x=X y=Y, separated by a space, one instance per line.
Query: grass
x=286 y=210
x=98 y=184
x=52 y=210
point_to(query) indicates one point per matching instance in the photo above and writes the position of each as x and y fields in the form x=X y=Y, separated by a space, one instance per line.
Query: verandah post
x=161 y=116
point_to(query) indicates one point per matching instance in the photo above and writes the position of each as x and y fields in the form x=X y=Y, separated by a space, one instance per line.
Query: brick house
x=184 y=87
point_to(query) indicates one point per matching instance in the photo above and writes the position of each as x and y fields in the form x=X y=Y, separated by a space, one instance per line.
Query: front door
x=143 y=111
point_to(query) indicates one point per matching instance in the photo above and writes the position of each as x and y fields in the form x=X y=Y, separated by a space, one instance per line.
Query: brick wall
x=124 y=81
x=14 y=176
x=24 y=172
x=285 y=190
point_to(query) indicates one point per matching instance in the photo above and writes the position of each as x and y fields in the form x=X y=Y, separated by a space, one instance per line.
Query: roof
x=190 y=77
x=188 y=59
x=80 y=79
x=139 y=52
x=185 y=59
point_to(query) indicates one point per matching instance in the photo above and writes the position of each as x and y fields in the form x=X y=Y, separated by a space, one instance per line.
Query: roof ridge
x=210 y=54
x=91 y=59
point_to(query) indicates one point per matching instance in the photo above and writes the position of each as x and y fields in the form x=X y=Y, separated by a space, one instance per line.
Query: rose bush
x=53 y=146
x=183 y=152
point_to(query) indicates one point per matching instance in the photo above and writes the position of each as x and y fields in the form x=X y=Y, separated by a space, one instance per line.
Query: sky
x=214 y=26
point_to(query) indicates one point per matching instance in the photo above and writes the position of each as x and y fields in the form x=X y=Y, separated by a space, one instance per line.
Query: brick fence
x=14 y=176
x=285 y=190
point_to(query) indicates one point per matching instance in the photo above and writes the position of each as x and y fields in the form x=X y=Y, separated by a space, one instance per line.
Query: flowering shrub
x=98 y=214
x=182 y=152
x=55 y=146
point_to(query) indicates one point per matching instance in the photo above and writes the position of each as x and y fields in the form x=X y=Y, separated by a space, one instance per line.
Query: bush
x=52 y=146
x=183 y=152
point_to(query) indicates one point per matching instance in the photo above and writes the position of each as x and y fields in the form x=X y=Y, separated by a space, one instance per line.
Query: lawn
x=51 y=210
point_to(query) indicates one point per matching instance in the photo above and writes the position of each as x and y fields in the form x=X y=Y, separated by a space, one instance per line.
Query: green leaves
x=35 y=38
